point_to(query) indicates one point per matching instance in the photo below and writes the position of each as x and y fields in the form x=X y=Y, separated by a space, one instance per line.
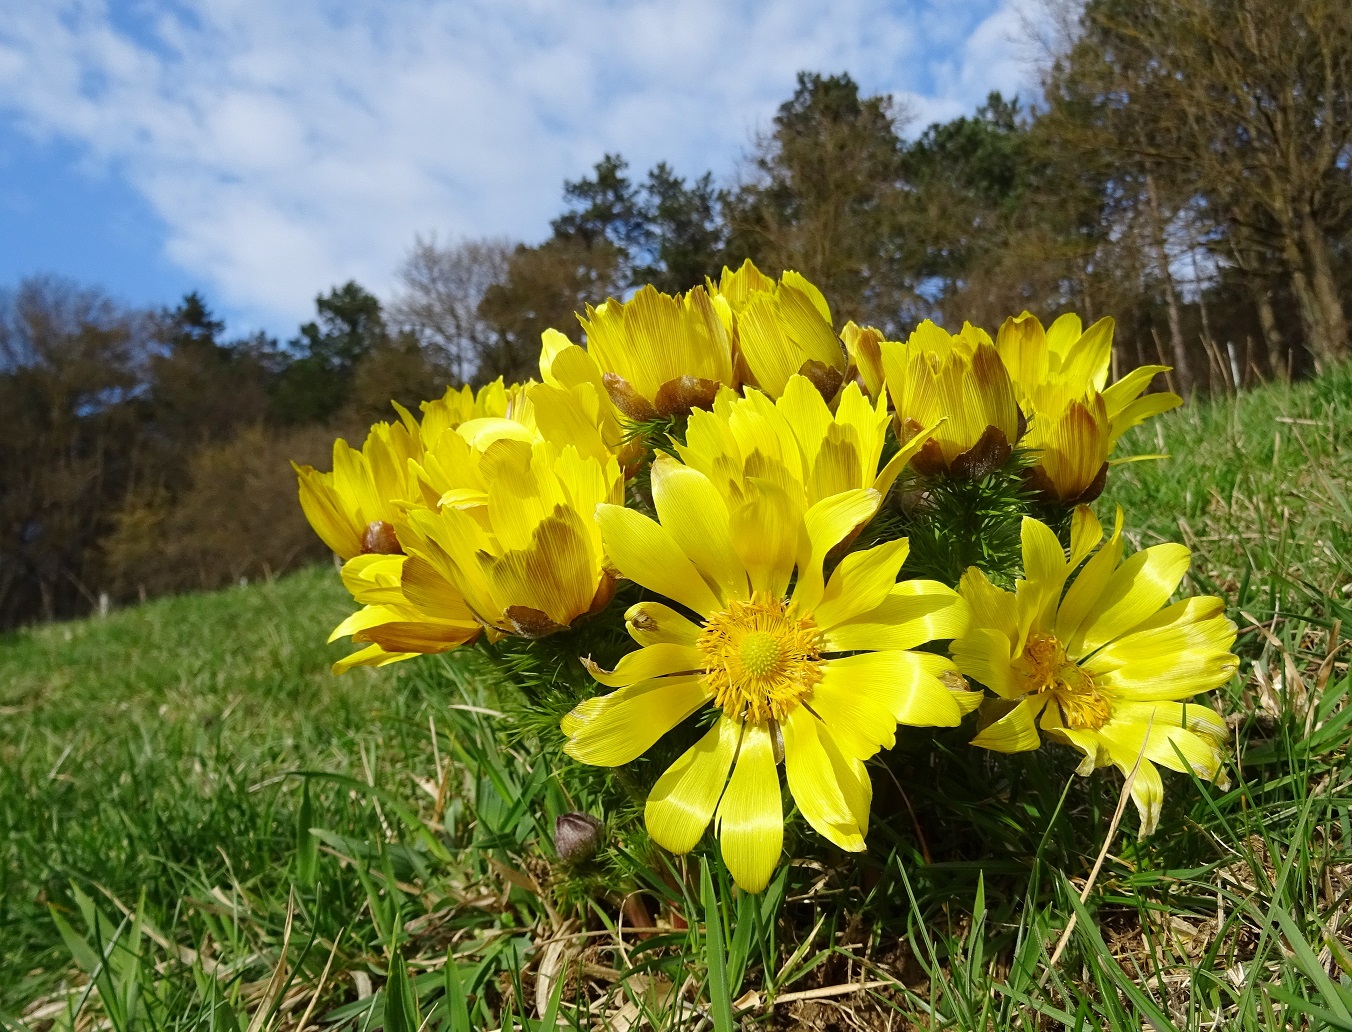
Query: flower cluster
x=717 y=467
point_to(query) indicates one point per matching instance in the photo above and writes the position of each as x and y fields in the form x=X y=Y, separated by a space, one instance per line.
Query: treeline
x=1188 y=170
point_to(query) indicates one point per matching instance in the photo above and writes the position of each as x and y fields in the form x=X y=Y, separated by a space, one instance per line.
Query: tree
x=822 y=197
x=1244 y=109
x=200 y=388
x=316 y=383
x=665 y=232
x=71 y=373
x=544 y=288
x=967 y=181
x=441 y=289
x=684 y=235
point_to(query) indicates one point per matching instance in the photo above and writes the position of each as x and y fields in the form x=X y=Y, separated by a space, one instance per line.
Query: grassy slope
x=145 y=753
x=136 y=751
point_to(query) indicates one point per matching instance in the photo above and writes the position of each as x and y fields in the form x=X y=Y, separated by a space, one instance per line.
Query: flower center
x=761 y=658
x=1048 y=671
x=759 y=653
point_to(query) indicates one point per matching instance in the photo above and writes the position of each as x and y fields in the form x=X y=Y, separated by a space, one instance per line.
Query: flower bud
x=577 y=837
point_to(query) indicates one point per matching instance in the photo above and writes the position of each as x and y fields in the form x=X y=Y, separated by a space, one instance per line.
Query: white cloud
x=288 y=146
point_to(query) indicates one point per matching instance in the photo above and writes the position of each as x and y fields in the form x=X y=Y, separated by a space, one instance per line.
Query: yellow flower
x=396 y=626
x=448 y=470
x=458 y=406
x=569 y=367
x=957 y=378
x=660 y=355
x=1074 y=421
x=864 y=346
x=353 y=508
x=1106 y=667
x=781 y=329
x=819 y=675
x=525 y=553
x=796 y=442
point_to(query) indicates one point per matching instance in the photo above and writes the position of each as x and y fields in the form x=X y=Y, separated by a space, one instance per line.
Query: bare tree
x=441 y=290
x=1244 y=106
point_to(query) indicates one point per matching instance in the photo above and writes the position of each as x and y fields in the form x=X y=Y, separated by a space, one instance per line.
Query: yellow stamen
x=761 y=658
x=1047 y=671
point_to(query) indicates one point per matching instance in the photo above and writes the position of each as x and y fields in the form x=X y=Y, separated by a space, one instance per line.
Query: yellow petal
x=857 y=691
x=823 y=781
x=1165 y=730
x=418 y=636
x=372 y=655
x=1134 y=593
x=556 y=574
x=1086 y=361
x=652 y=623
x=1045 y=570
x=1085 y=534
x=1063 y=333
x=989 y=606
x=682 y=802
x=751 y=813
x=888 y=476
x=769 y=353
x=449 y=541
x=647 y=554
x=827 y=523
x=1022 y=344
x=1181 y=651
x=336 y=524
x=374 y=579
x=983 y=654
x=653 y=661
x=912 y=613
x=366 y=616
x=797 y=281
x=1138 y=411
x=608 y=730
x=860 y=583
x=1015 y=731
x=1147 y=791
x=431 y=595
x=1088 y=585
x=766 y=532
x=694 y=514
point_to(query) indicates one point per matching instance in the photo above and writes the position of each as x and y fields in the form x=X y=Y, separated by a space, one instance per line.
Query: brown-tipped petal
x=626 y=399
x=1042 y=484
x=825 y=378
x=991 y=451
x=577 y=837
x=530 y=623
x=929 y=460
x=379 y=539
x=677 y=397
x=1094 y=489
x=605 y=591
x=411 y=636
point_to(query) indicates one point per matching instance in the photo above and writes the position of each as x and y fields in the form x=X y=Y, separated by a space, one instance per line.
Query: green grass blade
x=401 y=1009
x=457 y=1008
x=1087 y=930
x=307 y=846
x=720 y=1000
x=1309 y=965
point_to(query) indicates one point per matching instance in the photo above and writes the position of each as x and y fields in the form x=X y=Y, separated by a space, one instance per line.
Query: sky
x=261 y=152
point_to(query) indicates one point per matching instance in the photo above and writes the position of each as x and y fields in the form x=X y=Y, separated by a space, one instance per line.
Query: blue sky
x=261 y=152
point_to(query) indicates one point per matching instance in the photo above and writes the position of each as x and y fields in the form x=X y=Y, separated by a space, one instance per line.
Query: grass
x=161 y=771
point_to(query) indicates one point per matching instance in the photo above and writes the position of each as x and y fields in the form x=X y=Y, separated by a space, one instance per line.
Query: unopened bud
x=379 y=539
x=577 y=837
